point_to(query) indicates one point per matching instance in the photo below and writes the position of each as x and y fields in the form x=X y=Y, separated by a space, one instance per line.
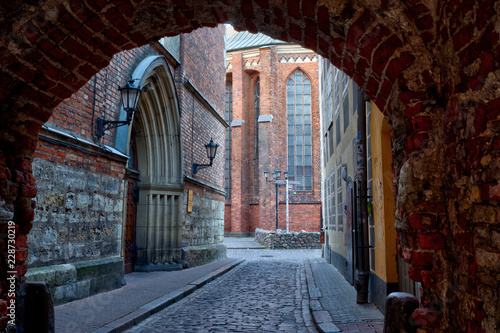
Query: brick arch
x=75 y=40
x=430 y=70
x=251 y=72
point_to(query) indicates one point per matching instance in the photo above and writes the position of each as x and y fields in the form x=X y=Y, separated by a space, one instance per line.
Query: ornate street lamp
x=266 y=175
x=211 y=148
x=130 y=95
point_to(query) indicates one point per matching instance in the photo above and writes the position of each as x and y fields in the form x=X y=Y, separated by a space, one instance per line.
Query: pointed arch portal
x=156 y=132
x=432 y=67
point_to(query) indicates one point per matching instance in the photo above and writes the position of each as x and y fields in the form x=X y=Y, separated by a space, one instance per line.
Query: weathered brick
x=323 y=19
x=431 y=241
x=415 y=274
x=491 y=191
x=411 y=111
x=465 y=241
x=422 y=259
x=430 y=278
x=427 y=318
x=293 y=9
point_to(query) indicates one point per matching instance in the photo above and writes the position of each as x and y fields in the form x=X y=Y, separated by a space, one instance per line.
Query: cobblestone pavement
x=267 y=293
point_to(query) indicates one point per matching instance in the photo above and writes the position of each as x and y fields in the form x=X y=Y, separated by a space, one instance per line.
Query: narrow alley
x=270 y=291
x=260 y=295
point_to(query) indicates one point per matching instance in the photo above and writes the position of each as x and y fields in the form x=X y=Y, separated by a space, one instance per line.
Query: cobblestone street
x=267 y=293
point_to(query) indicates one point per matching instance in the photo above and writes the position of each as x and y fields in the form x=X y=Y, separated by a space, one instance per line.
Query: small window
x=338 y=134
x=345 y=83
x=346 y=112
x=336 y=89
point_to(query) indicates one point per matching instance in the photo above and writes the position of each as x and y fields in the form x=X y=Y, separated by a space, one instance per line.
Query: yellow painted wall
x=344 y=152
x=383 y=199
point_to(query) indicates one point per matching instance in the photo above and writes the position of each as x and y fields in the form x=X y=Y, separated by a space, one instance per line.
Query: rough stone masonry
x=287 y=240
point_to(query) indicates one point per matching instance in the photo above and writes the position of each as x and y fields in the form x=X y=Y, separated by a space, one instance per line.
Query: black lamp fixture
x=130 y=95
x=266 y=175
x=211 y=148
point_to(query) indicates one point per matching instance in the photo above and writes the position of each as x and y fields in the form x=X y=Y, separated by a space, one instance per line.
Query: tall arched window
x=229 y=119
x=256 y=100
x=298 y=97
x=256 y=103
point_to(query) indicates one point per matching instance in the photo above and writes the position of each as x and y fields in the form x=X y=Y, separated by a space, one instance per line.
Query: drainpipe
x=363 y=264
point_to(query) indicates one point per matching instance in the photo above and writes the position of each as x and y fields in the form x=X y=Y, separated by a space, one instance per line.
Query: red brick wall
x=200 y=51
x=205 y=70
x=227 y=218
x=61 y=154
x=249 y=186
x=99 y=97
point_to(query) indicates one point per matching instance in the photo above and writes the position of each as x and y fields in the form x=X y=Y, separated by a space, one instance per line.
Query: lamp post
x=276 y=178
x=286 y=191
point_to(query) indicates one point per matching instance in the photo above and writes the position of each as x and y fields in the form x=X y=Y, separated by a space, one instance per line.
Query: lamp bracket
x=105 y=125
x=197 y=167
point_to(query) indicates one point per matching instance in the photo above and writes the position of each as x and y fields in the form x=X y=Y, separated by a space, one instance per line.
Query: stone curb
x=246 y=248
x=149 y=309
x=322 y=318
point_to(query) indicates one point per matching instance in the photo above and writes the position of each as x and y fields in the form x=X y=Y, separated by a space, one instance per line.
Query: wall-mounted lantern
x=130 y=95
x=211 y=148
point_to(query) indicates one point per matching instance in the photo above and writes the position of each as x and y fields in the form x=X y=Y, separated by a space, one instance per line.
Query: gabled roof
x=245 y=40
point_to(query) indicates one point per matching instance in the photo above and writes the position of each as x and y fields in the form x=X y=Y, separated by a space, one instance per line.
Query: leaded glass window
x=299 y=130
x=256 y=101
x=229 y=119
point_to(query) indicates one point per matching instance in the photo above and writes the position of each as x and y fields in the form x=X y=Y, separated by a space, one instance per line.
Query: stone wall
x=203 y=226
x=290 y=240
x=76 y=280
x=78 y=215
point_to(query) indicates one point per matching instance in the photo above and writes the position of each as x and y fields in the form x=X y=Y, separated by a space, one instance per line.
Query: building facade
x=349 y=213
x=129 y=201
x=272 y=107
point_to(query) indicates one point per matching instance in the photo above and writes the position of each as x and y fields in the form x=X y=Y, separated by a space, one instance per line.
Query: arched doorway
x=154 y=194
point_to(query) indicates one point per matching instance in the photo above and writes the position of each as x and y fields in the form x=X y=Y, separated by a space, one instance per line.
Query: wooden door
x=132 y=198
x=130 y=249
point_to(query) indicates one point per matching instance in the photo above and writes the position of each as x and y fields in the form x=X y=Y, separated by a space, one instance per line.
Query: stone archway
x=431 y=67
x=159 y=155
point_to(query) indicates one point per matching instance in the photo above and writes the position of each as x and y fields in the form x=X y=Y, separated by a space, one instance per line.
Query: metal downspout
x=363 y=264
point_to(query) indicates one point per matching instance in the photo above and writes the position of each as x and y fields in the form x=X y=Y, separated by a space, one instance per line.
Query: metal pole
x=276 y=206
x=287 y=215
